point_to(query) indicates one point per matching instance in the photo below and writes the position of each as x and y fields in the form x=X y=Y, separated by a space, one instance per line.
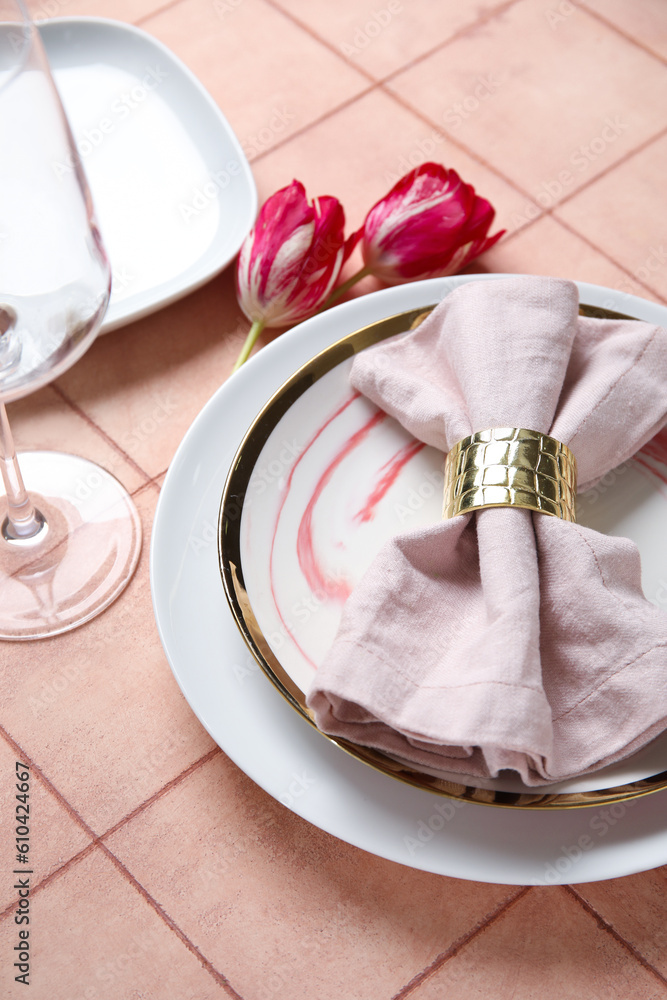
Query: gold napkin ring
x=510 y=467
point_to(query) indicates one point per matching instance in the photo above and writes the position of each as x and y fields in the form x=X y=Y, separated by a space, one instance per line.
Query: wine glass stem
x=23 y=521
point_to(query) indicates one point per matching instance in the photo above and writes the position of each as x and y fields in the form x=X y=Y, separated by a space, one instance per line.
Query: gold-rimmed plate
x=320 y=481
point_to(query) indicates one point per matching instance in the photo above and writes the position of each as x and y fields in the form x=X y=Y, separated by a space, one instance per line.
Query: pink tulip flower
x=290 y=261
x=430 y=224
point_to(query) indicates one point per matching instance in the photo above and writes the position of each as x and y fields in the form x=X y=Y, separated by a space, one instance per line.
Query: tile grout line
x=574 y=232
x=605 y=925
x=52 y=876
x=616 y=263
x=480 y=21
x=155 y=13
x=91 y=423
x=96 y=840
x=459 y=944
x=157 y=476
x=544 y=212
x=319 y=38
x=151 y=484
x=173 y=926
x=612 y=166
x=621 y=31
x=422 y=116
x=73 y=814
x=297 y=133
x=376 y=82
x=60 y=798
x=484 y=19
x=136 y=885
x=379 y=82
x=213 y=752
x=461 y=33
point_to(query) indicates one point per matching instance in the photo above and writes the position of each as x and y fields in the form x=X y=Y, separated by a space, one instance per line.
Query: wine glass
x=70 y=545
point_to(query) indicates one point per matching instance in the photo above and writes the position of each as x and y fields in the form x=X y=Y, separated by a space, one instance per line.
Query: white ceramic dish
x=250 y=720
x=173 y=191
x=334 y=480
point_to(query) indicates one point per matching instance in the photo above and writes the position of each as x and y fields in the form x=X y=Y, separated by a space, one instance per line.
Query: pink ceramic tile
x=624 y=213
x=145 y=384
x=636 y=907
x=43 y=421
x=98 y=709
x=52 y=835
x=643 y=20
x=545 y=946
x=547 y=247
x=120 y=10
x=382 y=37
x=360 y=152
x=269 y=76
x=549 y=106
x=281 y=908
x=93 y=936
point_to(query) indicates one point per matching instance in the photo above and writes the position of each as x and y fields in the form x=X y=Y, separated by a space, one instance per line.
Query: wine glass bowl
x=54 y=272
x=70 y=543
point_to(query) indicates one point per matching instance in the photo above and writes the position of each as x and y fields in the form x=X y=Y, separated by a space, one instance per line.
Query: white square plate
x=173 y=192
x=261 y=732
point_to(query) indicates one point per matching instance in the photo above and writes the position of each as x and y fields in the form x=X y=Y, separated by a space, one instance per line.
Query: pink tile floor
x=162 y=871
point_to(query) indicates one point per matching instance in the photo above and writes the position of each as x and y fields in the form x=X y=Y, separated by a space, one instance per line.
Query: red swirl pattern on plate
x=388 y=476
x=321 y=583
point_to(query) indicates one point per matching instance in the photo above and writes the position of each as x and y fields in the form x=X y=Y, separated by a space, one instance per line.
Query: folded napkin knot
x=503 y=640
x=510 y=467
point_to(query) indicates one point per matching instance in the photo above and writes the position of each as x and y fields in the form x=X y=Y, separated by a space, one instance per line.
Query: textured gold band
x=510 y=467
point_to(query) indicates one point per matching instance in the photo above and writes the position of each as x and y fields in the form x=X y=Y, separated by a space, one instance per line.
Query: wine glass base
x=80 y=561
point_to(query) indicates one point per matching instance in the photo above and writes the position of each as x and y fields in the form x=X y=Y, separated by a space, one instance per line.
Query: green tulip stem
x=249 y=343
x=338 y=292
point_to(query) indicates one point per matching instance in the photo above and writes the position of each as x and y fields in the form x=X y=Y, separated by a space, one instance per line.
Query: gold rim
x=229 y=553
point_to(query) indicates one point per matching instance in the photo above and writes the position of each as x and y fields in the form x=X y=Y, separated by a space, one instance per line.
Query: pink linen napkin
x=506 y=638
